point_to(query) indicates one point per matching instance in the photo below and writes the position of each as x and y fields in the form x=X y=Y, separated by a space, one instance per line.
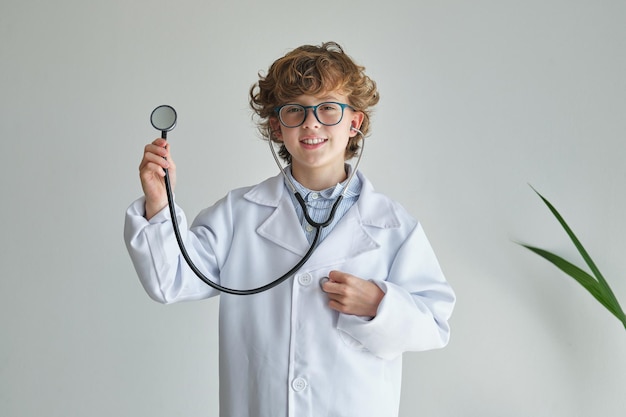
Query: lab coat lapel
x=282 y=226
x=347 y=240
x=350 y=237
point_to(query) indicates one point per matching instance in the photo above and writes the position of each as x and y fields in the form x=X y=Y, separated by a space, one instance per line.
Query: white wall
x=478 y=100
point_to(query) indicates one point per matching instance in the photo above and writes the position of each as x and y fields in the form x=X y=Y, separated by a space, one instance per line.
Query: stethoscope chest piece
x=163 y=118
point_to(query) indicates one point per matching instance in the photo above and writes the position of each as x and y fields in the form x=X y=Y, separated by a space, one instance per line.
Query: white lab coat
x=284 y=352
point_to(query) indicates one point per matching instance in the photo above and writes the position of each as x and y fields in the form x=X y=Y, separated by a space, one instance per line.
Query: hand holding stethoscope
x=157 y=159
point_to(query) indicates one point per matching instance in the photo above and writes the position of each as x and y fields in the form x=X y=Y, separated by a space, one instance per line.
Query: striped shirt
x=319 y=203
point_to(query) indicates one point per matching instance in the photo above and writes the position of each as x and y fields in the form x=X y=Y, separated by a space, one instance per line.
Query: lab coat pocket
x=350 y=341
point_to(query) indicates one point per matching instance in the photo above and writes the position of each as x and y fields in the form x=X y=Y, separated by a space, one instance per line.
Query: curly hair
x=313 y=70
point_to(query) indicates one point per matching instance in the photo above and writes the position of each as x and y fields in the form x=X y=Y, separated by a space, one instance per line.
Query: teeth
x=313 y=141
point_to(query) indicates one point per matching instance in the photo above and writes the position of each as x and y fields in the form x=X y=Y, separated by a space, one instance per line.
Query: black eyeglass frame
x=342 y=105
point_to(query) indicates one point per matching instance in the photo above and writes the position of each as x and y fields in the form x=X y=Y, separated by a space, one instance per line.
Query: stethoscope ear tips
x=356 y=130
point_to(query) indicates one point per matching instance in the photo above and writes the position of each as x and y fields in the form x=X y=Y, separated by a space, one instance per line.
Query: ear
x=356 y=121
x=276 y=128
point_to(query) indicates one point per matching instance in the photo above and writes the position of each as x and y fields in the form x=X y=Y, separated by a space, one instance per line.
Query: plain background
x=479 y=100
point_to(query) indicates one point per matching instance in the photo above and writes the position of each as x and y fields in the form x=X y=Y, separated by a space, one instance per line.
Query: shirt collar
x=331 y=193
x=373 y=209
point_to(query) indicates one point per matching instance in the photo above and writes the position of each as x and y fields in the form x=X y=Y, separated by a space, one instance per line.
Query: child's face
x=318 y=150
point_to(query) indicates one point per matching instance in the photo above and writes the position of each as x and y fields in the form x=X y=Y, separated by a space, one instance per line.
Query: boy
x=302 y=349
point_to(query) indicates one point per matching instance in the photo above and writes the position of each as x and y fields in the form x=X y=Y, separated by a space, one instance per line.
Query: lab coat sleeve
x=156 y=257
x=413 y=315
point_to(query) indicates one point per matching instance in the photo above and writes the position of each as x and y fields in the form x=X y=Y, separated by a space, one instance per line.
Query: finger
x=339 y=276
x=161 y=151
x=337 y=306
x=155 y=154
x=334 y=288
x=152 y=162
x=149 y=171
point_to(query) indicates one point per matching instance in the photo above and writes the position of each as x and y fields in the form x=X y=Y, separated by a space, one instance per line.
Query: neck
x=321 y=179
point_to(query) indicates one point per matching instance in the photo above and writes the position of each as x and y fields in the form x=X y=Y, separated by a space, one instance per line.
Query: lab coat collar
x=371 y=210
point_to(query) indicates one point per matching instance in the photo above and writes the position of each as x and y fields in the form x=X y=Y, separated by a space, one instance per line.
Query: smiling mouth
x=313 y=141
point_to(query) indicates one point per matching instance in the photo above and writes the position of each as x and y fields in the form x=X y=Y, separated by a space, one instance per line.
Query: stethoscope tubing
x=222 y=288
x=318 y=226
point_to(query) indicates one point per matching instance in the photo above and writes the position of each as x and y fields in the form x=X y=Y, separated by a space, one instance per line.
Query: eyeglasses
x=328 y=113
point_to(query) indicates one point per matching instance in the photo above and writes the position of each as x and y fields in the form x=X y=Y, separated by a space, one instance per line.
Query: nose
x=310 y=120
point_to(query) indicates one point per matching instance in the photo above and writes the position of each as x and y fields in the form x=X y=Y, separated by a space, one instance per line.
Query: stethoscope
x=163 y=118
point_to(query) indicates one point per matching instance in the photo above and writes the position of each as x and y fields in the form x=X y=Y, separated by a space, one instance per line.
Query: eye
x=293 y=109
x=328 y=107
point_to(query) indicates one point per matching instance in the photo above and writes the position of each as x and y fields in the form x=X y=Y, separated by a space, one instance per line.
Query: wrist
x=151 y=209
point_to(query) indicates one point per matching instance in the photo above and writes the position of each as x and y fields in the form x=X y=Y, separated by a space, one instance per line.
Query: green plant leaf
x=598 y=287
x=604 y=286
x=596 y=272
x=583 y=278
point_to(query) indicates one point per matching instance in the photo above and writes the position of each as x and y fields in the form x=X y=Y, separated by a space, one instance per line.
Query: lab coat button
x=299 y=384
x=305 y=279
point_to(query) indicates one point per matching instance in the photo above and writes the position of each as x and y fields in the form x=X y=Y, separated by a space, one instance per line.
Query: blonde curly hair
x=313 y=70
